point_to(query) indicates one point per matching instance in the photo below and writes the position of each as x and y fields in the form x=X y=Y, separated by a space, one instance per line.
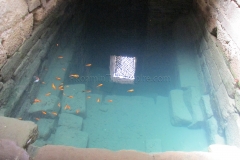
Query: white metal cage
x=122 y=69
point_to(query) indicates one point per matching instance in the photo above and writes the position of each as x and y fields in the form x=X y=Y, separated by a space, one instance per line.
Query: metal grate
x=122 y=69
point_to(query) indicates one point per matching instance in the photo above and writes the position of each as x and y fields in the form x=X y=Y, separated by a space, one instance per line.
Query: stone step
x=180 y=116
x=75 y=98
x=46 y=108
x=69 y=136
x=70 y=120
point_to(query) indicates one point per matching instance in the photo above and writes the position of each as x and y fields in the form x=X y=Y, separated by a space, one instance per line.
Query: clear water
x=139 y=120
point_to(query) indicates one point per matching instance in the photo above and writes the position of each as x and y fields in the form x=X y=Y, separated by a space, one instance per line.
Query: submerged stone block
x=180 y=115
x=75 y=98
x=70 y=120
x=212 y=131
x=69 y=136
x=206 y=106
x=224 y=71
x=5 y=92
x=192 y=98
x=213 y=69
x=224 y=102
x=46 y=108
x=232 y=130
x=45 y=127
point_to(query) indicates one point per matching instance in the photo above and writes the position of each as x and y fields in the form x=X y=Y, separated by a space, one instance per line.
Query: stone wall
x=28 y=29
x=214 y=27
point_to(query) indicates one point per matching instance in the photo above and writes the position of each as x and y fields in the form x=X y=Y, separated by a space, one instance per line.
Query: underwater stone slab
x=48 y=104
x=188 y=75
x=5 y=92
x=78 y=102
x=70 y=120
x=180 y=115
x=212 y=131
x=68 y=136
x=29 y=62
x=10 y=66
x=207 y=77
x=232 y=130
x=224 y=71
x=192 y=98
x=19 y=131
x=224 y=102
x=45 y=127
x=213 y=70
x=206 y=106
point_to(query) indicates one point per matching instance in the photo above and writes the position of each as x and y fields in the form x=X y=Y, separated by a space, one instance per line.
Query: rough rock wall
x=162 y=14
x=215 y=33
x=28 y=29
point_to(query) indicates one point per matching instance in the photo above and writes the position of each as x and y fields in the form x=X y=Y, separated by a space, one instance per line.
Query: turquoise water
x=112 y=117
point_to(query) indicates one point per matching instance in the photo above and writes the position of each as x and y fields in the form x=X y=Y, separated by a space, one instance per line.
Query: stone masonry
x=214 y=26
x=27 y=32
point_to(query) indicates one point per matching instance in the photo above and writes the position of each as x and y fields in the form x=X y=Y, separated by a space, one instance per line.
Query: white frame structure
x=122 y=69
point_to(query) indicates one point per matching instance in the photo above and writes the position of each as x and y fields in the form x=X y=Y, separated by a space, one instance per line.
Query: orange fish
x=61 y=87
x=88 y=65
x=70 y=96
x=67 y=107
x=53 y=86
x=74 y=75
x=110 y=100
x=48 y=94
x=59 y=105
x=37 y=119
x=100 y=85
x=54 y=113
x=98 y=100
x=77 y=111
x=87 y=91
x=43 y=112
x=130 y=90
x=88 y=97
x=37 y=100
x=60 y=57
x=58 y=78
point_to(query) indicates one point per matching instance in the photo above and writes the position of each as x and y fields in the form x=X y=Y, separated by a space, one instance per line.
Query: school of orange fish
x=61 y=87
